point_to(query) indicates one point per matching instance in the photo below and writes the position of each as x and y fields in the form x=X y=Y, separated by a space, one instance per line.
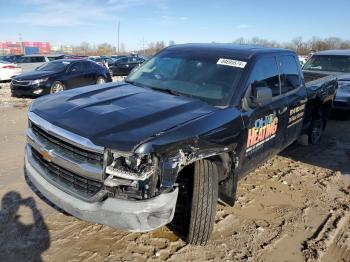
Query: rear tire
x=100 y=80
x=316 y=130
x=56 y=87
x=203 y=202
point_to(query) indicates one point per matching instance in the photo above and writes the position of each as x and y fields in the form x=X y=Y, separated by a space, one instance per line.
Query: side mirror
x=262 y=95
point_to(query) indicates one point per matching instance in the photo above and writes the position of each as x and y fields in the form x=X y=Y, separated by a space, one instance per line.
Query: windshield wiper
x=166 y=90
x=135 y=83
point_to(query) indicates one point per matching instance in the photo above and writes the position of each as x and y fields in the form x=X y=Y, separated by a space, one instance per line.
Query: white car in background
x=30 y=62
x=303 y=59
x=8 y=70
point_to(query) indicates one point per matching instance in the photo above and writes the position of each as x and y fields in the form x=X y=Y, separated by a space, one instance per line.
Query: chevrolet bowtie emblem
x=46 y=155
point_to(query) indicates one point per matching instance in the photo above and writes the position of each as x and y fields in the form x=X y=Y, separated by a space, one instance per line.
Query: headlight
x=39 y=81
x=133 y=167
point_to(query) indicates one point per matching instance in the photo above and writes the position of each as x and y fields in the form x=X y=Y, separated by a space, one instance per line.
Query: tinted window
x=123 y=60
x=289 y=73
x=53 y=66
x=335 y=63
x=133 y=59
x=86 y=66
x=265 y=74
x=76 y=67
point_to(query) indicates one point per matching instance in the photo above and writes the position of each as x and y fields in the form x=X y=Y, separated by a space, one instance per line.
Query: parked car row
x=119 y=65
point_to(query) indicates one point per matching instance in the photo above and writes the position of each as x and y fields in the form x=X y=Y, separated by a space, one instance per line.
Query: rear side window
x=87 y=66
x=290 y=78
x=76 y=67
x=265 y=74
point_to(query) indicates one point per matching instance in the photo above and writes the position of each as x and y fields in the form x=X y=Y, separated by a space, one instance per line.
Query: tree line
x=298 y=44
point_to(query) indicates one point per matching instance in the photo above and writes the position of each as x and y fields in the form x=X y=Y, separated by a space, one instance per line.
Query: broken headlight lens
x=133 y=167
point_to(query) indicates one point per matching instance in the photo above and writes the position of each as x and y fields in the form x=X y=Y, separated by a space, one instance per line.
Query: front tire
x=203 y=202
x=56 y=87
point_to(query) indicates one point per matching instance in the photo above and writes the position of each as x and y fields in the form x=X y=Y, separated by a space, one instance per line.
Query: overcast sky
x=95 y=21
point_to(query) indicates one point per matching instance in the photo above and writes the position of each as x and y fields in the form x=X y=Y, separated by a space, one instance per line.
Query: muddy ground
x=296 y=207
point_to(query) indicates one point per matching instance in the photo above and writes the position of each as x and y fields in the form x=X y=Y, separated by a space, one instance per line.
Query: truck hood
x=118 y=116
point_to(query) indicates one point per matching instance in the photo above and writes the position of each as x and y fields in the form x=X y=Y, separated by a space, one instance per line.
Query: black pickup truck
x=174 y=138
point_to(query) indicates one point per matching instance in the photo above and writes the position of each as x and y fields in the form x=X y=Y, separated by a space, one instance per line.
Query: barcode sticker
x=231 y=62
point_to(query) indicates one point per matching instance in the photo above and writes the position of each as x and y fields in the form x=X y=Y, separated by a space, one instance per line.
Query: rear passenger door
x=76 y=75
x=267 y=124
x=293 y=89
x=89 y=73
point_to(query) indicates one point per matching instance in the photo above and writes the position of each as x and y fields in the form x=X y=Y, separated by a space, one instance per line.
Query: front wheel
x=203 y=202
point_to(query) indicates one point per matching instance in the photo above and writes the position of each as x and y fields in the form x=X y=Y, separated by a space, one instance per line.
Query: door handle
x=283 y=110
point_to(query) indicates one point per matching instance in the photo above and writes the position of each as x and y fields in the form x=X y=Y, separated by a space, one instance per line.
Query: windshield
x=53 y=66
x=328 y=63
x=193 y=74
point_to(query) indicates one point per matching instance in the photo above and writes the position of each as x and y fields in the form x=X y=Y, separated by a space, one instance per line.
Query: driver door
x=266 y=124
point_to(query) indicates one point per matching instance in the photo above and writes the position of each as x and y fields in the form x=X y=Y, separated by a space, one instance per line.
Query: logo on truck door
x=264 y=129
x=296 y=115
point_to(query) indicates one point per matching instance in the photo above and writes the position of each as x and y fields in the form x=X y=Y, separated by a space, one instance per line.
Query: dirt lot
x=296 y=207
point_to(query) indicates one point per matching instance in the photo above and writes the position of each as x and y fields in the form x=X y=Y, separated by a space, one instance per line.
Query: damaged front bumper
x=131 y=215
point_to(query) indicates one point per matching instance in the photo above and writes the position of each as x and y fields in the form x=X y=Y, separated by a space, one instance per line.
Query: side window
x=290 y=78
x=265 y=74
x=132 y=59
x=86 y=66
x=123 y=60
x=76 y=67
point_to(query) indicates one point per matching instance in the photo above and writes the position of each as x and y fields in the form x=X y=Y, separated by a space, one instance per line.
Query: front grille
x=76 y=151
x=73 y=182
x=21 y=82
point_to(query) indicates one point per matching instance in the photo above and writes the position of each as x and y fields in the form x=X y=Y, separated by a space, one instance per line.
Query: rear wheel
x=56 y=87
x=316 y=130
x=100 y=80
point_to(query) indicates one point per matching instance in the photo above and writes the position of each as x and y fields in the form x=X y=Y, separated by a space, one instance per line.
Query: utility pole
x=143 y=45
x=118 y=34
x=20 y=42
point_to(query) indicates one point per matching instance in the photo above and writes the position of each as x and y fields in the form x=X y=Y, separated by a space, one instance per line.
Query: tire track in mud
x=331 y=238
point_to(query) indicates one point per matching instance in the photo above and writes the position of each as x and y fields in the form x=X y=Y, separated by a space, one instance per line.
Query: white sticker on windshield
x=231 y=62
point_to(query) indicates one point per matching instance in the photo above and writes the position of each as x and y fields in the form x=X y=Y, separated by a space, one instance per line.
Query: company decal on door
x=264 y=129
x=296 y=115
